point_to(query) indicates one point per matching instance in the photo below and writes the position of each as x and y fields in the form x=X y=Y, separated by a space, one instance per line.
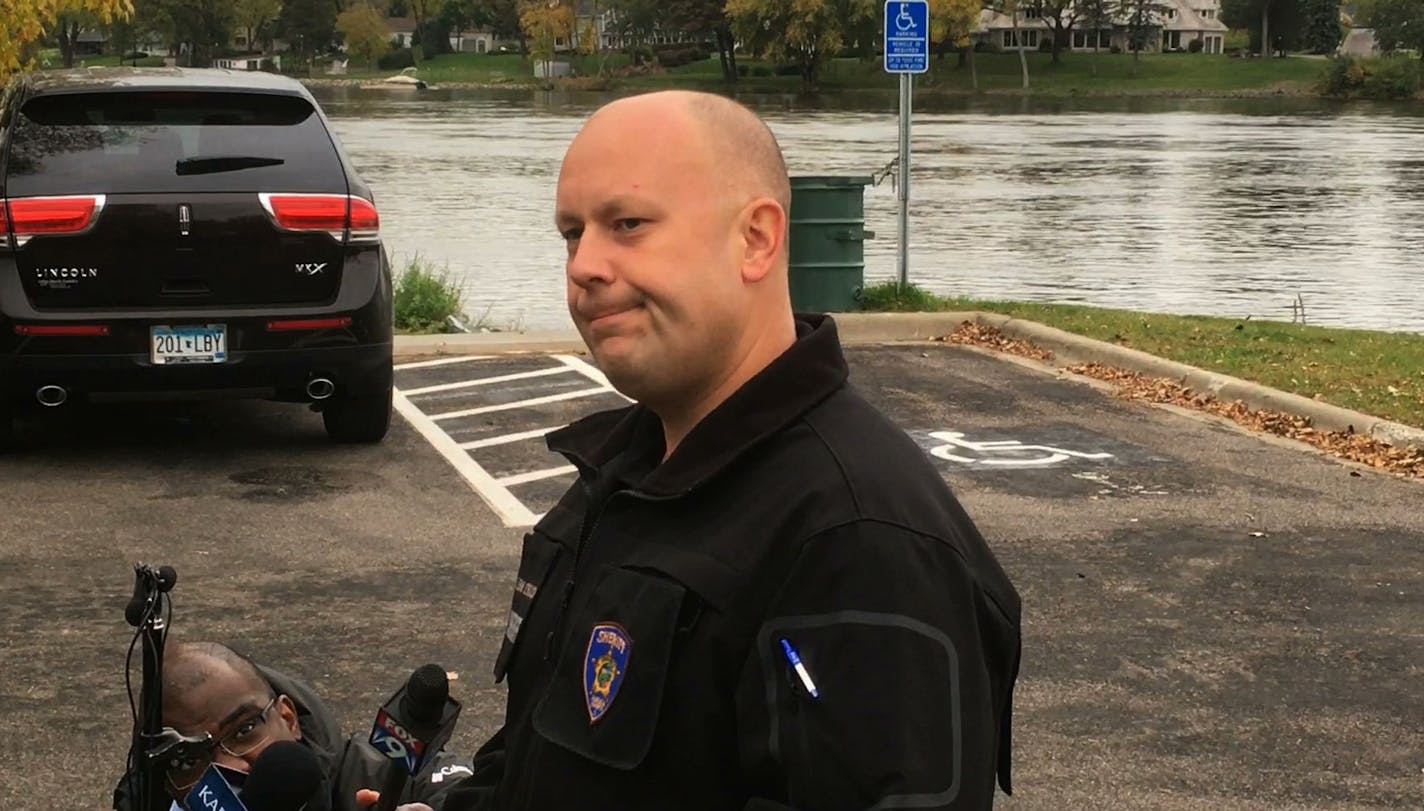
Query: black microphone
x=286 y=777
x=147 y=582
x=412 y=727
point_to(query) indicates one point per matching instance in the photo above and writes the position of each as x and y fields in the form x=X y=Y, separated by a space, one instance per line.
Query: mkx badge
x=605 y=664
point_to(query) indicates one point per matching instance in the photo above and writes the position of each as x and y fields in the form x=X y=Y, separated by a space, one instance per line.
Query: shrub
x=1392 y=78
x=425 y=298
x=397 y=60
x=890 y=297
x=1115 y=49
x=1045 y=44
x=1195 y=46
x=1349 y=76
x=675 y=56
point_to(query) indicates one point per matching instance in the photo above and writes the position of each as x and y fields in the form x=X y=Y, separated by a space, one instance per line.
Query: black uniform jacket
x=644 y=648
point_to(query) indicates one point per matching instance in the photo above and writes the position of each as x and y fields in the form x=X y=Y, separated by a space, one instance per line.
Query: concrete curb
x=854 y=328
x=871 y=328
x=1069 y=348
x=487 y=343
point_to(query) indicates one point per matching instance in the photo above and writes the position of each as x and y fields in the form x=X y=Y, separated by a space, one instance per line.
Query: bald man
x=245 y=708
x=760 y=594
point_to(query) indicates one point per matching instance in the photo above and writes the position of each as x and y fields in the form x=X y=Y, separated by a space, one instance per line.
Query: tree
x=24 y=22
x=148 y=18
x=1321 y=32
x=367 y=37
x=252 y=16
x=545 y=22
x=952 y=22
x=421 y=11
x=1095 y=16
x=1014 y=8
x=502 y=17
x=1274 y=24
x=205 y=26
x=804 y=33
x=1143 y=20
x=636 y=22
x=1398 y=24
x=1061 y=15
x=309 y=26
x=705 y=19
x=71 y=19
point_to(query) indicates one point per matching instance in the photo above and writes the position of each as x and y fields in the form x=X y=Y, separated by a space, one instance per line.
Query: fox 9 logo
x=395 y=742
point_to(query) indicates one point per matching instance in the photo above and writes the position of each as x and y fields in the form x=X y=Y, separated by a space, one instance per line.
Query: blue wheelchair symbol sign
x=907 y=36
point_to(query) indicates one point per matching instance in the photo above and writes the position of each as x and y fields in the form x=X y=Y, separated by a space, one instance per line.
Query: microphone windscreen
x=427 y=690
x=286 y=777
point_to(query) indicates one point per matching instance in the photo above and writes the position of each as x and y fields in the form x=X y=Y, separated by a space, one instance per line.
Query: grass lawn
x=1077 y=73
x=1379 y=373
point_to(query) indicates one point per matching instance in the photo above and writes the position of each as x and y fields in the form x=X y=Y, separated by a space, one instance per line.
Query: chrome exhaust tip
x=51 y=396
x=320 y=388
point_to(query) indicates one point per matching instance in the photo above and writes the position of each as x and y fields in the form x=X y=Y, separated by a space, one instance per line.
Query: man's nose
x=589 y=261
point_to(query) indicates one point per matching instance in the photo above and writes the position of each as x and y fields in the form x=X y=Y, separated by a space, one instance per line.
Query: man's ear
x=287 y=711
x=764 y=238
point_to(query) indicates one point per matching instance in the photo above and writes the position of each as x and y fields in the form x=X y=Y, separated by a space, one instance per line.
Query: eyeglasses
x=249 y=734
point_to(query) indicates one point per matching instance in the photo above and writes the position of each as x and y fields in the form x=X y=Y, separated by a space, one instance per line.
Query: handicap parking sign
x=907 y=36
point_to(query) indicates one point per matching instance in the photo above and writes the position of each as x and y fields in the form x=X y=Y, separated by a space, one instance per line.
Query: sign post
x=907 y=52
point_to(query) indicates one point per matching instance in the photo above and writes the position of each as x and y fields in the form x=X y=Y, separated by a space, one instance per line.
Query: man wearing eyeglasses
x=245 y=707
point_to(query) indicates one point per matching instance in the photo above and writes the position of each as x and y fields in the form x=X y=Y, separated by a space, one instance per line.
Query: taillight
x=365 y=222
x=332 y=213
x=33 y=216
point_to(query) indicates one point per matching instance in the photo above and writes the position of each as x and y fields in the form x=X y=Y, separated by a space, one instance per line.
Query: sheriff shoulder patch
x=605 y=664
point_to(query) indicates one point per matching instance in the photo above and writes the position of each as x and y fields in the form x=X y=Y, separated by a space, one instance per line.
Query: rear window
x=170 y=142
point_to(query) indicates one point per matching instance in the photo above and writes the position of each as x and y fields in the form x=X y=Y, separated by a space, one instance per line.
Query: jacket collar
x=808 y=372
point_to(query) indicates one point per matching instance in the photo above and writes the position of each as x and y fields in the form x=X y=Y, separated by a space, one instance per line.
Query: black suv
x=171 y=234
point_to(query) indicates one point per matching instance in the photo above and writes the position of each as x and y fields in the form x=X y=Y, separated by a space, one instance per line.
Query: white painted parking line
x=507 y=439
x=509 y=509
x=426 y=364
x=536 y=475
x=550 y=398
x=588 y=370
x=486 y=381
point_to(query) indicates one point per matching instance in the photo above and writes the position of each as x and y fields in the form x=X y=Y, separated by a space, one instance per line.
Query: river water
x=1226 y=207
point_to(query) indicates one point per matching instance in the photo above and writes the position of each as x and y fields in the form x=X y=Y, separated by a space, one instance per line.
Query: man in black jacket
x=760 y=594
x=247 y=707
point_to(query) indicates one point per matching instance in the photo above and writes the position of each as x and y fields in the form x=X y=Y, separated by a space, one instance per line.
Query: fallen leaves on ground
x=1406 y=462
x=977 y=335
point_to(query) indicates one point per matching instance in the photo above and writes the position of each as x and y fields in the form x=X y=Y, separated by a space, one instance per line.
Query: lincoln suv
x=170 y=234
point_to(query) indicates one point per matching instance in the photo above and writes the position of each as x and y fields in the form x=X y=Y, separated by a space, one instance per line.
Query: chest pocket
x=535 y=563
x=607 y=688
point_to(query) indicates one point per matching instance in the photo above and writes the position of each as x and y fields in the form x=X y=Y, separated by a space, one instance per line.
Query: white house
x=247 y=62
x=475 y=42
x=402 y=31
x=1184 y=21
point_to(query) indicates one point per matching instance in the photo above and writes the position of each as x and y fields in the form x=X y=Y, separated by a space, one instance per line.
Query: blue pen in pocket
x=794 y=659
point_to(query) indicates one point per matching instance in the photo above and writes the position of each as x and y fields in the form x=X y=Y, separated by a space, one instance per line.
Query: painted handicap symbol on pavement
x=1006 y=454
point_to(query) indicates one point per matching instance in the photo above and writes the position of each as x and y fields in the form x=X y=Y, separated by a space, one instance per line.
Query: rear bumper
x=272 y=374
x=261 y=362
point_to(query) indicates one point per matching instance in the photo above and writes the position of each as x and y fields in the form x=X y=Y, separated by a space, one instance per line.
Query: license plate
x=204 y=344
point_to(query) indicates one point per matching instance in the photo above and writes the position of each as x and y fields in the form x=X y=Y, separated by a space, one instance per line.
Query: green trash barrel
x=827 y=249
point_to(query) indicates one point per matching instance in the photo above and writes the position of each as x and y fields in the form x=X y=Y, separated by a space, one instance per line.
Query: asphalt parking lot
x=1213 y=620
